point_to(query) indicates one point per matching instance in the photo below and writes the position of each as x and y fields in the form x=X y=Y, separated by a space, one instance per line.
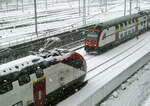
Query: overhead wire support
x=84 y=12
x=0 y=4
x=139 y=6
x=35 y=16
x=106 y=4
x=17 y=5
x=88 y=7
x=22 y=6
x=79 y=7
x=46 y=3
x=125 y=7
x=130 y=7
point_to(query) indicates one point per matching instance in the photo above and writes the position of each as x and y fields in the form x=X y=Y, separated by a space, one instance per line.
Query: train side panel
x=148 y=21
x=19 y=94
x=142 y=23
x=107 y=36
x=60 y=75
x=48 y=82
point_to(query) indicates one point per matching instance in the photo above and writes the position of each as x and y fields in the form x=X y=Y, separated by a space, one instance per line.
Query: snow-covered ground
x=110 y=68
x=70 y=18
x=124 y=96
x=96 y=14
x=146 y=102
x=133 y=91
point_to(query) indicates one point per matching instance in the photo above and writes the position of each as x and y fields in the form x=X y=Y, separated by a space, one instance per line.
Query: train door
x=137 y=30
x=148 y=21
x=117 y=34
x=39 y=92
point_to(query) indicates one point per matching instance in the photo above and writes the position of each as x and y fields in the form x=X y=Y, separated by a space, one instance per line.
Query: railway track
x=16 y=38
x=105 y=63
x=11 y=23
x=13 y=7
x=42 y=19
x=110 y=63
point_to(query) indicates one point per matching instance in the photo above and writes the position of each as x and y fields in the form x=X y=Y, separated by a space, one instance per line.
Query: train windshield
x=92 y=35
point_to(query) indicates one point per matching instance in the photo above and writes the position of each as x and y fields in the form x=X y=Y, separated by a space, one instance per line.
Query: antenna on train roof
x=50 y=43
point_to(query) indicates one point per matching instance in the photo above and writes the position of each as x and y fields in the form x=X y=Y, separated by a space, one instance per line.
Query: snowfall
x=134 y=92
x=69 y=18
x=130 y=93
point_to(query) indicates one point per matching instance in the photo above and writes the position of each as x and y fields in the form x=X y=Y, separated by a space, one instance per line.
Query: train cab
x=92 y=40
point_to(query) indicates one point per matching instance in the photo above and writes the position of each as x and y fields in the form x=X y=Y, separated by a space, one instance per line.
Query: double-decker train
x=111 y=33
x=41 y=79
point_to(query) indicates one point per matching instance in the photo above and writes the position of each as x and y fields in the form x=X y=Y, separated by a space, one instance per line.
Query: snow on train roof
x=17 y=65
x=117 y=21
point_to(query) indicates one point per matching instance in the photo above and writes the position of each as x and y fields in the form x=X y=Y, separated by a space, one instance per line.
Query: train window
x=132 y=30
x=141 y=23
x=125 y=33
x=16 y=67
x=121 y=35
x=30 y=69
x=55 y=54
x=129 y=32
x=129 y=22
x=133 y=20
x=125 y=23
x=121 y=25
x=39 y=72
x=35 y=60
x=5 y=86
x=23 y=79
x=116 y=26
x=104 y=36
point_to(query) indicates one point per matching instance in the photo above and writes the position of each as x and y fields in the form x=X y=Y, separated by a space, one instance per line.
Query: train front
x=92 y=40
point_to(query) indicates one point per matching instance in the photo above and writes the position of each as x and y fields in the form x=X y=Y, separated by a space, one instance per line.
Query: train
x=41 y=79
x=104 y=36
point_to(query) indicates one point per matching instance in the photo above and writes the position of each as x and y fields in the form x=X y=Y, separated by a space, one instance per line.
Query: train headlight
x=86 y=43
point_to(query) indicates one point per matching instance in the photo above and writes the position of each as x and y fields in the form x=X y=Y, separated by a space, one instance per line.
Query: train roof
x=17 y=65
x=145 y=11
x=116 y=21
